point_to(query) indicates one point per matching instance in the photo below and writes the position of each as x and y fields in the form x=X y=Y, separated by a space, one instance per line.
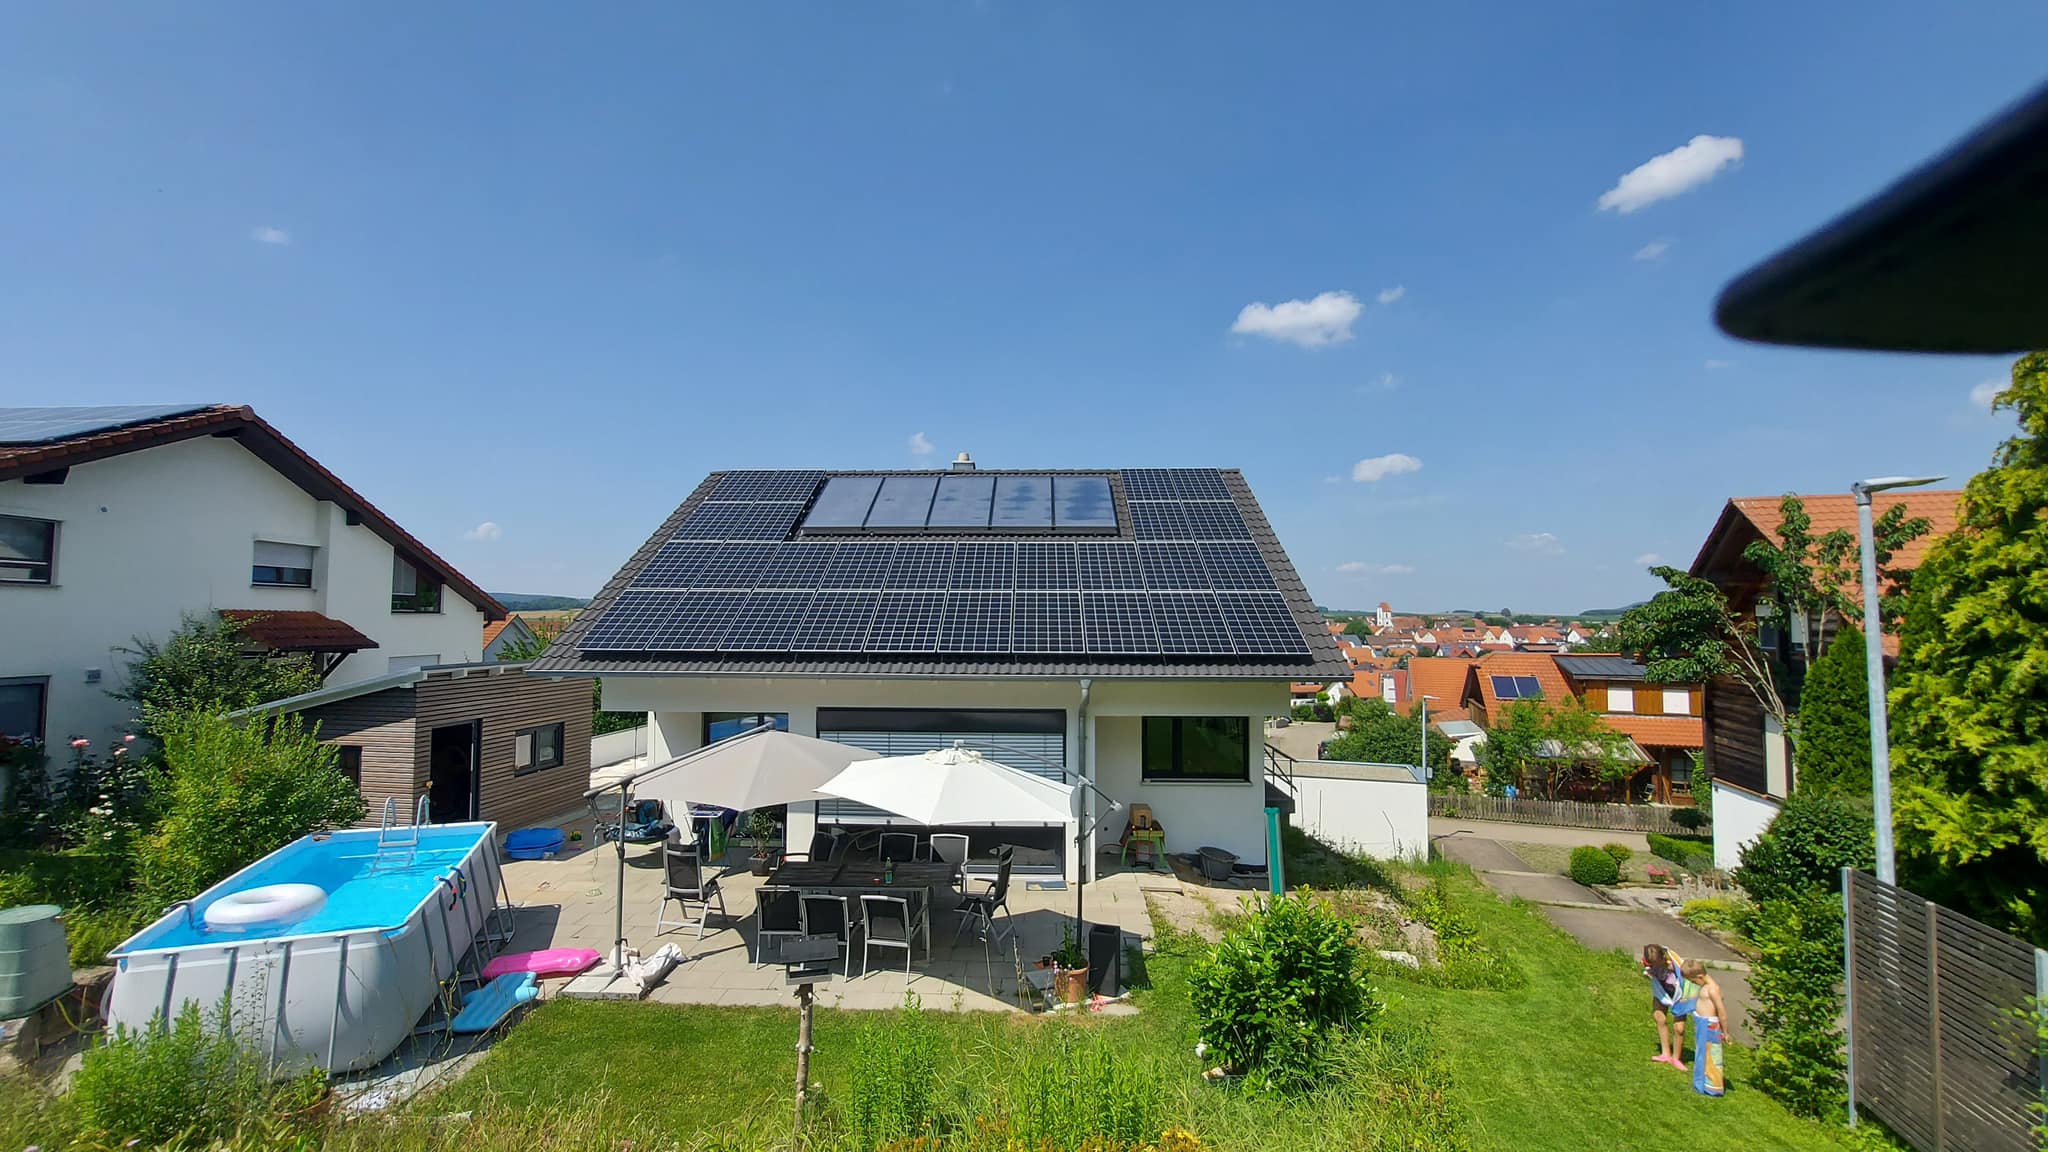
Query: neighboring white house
x=500 y=635
x=1466 y=737
x=117 y=522
x=1134 y=628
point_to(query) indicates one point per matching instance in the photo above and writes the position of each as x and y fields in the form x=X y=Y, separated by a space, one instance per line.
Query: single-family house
x=116 y=522
x=509 y=633
x=1130 y=627
x=1746 y=752
x=1662 y=719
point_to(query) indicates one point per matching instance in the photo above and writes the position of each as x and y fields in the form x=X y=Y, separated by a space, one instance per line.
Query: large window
x=1197 y=748
x=413 y=590
x=28 y=550
x=22 y=700
x=536 y=748
x=723 y=725
x=282 y=565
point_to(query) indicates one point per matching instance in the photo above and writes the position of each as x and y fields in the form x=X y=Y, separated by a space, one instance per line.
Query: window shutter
x=270 y=554
x=1596 y=697
x=1649 y=701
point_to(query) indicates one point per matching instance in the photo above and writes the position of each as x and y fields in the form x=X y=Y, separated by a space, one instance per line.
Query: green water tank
x=35 y=962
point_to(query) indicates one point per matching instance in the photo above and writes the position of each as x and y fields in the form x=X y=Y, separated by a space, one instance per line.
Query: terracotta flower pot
x=1072 y=985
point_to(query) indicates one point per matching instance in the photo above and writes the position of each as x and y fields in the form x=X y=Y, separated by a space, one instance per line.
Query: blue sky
x=538 y=271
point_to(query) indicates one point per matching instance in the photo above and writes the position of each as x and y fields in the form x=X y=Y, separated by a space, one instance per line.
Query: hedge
x=1682 y=849
x=1591 y=866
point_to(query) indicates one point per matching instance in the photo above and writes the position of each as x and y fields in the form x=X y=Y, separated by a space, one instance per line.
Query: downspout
x=1085 y=817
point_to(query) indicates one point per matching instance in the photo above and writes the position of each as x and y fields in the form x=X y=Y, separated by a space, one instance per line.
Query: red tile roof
x=297 y=631
x=1444 y=678
x=1661 y=731
x=1541 y=665
x=267 y=444
x=492 y=628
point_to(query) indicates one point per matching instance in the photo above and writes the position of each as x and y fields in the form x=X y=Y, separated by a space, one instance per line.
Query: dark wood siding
x=507 y=700
x=1735 y=735
x=381 y=724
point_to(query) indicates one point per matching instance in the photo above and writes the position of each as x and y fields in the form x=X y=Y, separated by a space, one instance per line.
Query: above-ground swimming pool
x=331 y=974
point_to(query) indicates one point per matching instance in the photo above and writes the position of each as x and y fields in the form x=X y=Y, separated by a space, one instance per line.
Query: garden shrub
x=238 y=792
x=190 y=1081
x=202 y=668
x=1694 y=852
x=1833 y=751
x=1591 y=866
x=1719 y=914
x=1807 y=846
x=1690 y=819
x=893 y=1095
x=1620 y=852
x=1278 y=989
x=1795 y=980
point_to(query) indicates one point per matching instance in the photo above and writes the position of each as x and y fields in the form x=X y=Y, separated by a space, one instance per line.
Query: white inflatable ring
x=270 y=904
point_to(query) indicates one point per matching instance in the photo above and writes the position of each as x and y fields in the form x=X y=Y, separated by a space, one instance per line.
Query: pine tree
x=1969 y=704
x=1833 y=754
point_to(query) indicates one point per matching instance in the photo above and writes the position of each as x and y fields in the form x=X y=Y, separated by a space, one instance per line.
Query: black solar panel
x=1047 y=567
x=766 y=622
x=1148 y=484
x=1172 y=566
x=1190 y=624
x=1261 y=625
x=975 y=622
x=795 y=485
x=857 y=564
x=920 y=564
x=1158 y=520
x=1118 y=624
x=1235 y=566
x=1214 y=520
x=797 y=564
x=739 y=522
x=736 y=565
x=906 y=622
x=1199 y=484
x=1109 y=566
x=1046 y=622
x=983 y=564
x=676 y=564
x=836 y=622
x=643 y=621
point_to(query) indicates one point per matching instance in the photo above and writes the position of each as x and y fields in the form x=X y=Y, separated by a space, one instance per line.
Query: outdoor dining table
x=913 y=880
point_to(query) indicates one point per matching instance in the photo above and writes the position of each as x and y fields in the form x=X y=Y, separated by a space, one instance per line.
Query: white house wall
x=1229 y=816
x=147 y=537
x=1382 y=818
x=1739 y=818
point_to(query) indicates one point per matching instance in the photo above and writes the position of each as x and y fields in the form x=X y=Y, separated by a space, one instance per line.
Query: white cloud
x=1662 y=177
x=919 y=446
x=1545 y=543
x=1654 y=250
x=1327 y=319
x=270 y=234
x=1983 y=394
x=488 y=530
x=1380 y=467
x=1649 y=560
x=1361 y=568
x=1384 y=382
x=1711 y=364
x=1389 y=295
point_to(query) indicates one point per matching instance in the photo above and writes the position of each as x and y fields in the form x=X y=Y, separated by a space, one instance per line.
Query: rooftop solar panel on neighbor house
x=49 y=425
x=798 y=486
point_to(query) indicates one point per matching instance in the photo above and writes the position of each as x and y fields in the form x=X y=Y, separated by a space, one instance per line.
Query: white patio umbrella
x=953 y=786
x=755 y=769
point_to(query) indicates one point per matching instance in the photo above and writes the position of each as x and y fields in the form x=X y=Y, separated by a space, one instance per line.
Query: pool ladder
x=398 y=844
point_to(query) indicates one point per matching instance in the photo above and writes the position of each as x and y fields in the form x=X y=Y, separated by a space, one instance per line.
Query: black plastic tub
x=1218 y=864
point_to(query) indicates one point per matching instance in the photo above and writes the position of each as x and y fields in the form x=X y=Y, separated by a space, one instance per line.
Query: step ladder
x=398 y=845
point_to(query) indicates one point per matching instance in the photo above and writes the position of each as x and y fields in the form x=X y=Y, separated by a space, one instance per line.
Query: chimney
x=963 y=463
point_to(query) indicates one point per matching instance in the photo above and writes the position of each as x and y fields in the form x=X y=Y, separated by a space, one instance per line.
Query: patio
x=569 y=902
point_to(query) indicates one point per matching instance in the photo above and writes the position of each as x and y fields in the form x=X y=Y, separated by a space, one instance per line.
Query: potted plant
x=759 y=830
x=1070 y=968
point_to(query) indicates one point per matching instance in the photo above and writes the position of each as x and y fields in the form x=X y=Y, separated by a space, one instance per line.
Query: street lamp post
x=1423 y=755
x=1873 y=662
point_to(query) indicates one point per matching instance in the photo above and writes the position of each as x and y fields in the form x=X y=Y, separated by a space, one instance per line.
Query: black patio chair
x=979 y=908
x=776 y=913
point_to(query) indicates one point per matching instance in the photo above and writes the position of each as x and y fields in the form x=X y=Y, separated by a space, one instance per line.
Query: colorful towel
x=1706 y=1064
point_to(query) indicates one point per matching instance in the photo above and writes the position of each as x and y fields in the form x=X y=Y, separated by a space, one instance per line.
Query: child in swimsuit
x=1709 y=1030
x=1668 y=1007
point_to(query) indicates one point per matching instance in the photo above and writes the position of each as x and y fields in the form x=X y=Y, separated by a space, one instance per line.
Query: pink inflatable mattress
x=548 y=962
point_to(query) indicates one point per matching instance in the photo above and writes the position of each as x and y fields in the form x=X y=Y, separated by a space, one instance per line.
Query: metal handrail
x=1275 y=767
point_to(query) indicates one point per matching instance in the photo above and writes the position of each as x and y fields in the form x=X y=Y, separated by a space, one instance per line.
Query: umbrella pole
x=619 y=908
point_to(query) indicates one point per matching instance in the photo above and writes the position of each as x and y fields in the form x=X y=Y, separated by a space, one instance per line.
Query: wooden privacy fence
x=1941 y=1046
x=1569 y=813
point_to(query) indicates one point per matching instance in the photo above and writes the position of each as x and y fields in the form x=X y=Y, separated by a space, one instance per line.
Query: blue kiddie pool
x=534 y=843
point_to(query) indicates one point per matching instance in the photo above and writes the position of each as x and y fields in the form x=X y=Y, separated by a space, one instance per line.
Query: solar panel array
x=1517 y=687
x=49 y=425
x=744 y=573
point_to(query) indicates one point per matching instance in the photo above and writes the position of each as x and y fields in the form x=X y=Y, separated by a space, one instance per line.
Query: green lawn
x=1560 y=1063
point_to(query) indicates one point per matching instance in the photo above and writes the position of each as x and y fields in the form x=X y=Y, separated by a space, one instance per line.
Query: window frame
x=531 y=735
x=427 y=595
x=281 y=575
x=349 y=762
x=1179 y=773
x=41 y=736
x=48 y=564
